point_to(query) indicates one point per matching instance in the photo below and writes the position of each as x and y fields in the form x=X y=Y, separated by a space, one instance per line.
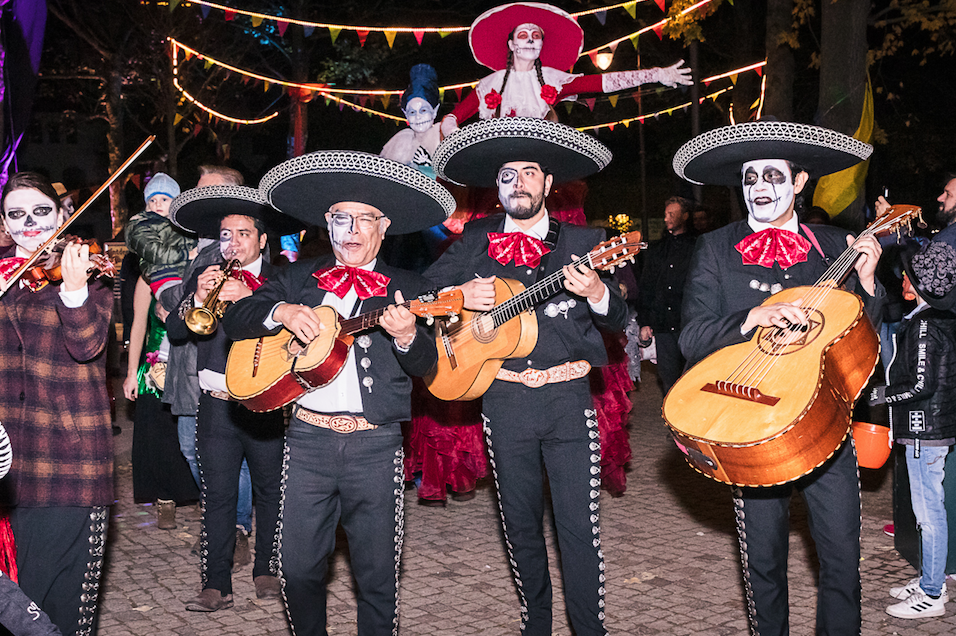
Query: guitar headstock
x=612 y=253
x=432 y=304
x=901 y=214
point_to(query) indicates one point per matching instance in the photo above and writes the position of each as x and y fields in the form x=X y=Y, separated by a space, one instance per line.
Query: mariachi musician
x=344 y=444
x=55 y=406
x=226 y=431
x=734 y=270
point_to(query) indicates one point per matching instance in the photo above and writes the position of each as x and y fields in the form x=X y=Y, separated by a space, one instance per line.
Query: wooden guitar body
x=795 y=413
x=269 y=372
x=471 y=351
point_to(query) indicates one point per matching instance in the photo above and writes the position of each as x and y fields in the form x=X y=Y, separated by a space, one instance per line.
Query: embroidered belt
x=535 y=378
x=338 y=423
x=220 y=395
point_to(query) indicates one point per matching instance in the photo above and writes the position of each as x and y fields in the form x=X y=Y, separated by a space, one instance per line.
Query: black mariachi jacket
x=921 y=389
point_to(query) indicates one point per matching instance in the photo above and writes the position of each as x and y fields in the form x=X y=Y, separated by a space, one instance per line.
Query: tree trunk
x=747 y=48
x=114 y=139
x=843 y=77
x=299 y=125
x=778 y=99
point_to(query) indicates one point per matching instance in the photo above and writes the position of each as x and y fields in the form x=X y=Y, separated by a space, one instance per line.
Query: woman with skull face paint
x=55 y=407
x=736 y=268
x=529 y=77
x=414 y=145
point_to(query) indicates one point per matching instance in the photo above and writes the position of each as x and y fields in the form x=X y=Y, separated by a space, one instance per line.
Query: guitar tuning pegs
x=613 y=268
x=429 y=320
x=453 y=318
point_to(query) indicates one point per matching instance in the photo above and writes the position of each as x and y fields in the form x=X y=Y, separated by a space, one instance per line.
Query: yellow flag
x=835 y=192
x=613 y=100
x=390 y=36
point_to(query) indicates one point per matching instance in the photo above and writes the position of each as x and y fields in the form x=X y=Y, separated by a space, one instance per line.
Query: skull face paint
x=527 y=42
x=768 y=189
x=522 y=187
x=420 y=114
x=31 y=217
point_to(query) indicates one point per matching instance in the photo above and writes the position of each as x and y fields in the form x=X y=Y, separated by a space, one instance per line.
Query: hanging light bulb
x=604 y=59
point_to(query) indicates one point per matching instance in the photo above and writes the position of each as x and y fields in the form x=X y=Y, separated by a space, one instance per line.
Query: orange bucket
x=873 y=444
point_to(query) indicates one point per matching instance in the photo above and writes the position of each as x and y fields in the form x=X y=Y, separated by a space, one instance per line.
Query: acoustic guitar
x=471 y=351
x=269 y=372
x=770 y=410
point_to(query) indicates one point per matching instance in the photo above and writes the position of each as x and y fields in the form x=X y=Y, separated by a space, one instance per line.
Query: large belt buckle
x=533 y=378
x=343 y=423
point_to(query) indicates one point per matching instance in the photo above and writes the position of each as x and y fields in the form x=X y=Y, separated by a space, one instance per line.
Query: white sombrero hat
x=563 y=37
x=307 y=186
x=201 y=209
x=715 y=157
x=472 y=155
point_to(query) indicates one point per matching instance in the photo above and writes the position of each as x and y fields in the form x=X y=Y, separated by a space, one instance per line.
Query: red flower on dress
x=492 y=99
x=549 y=94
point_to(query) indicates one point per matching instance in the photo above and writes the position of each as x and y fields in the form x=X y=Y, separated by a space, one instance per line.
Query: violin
x=48 y=270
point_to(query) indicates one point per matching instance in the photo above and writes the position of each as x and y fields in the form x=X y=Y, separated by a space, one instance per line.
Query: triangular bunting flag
x=754 y=105
x=136 y=179
x=442 y=34
x=441 y=94
x=568 y=105
x=759 y=70
x=362 y=35
x=390 y=37
x=458 y=93
x=590 y=101
x=601 y=17
x=593 y=56
x=230 y=15
x=613 y=46
x=327 y=99
x=418 y=36
x=634 y=40
x=613 y=100
x=282 y=25
x=188 y=54
x=206 y=63
x=173 y=4
x=334 y=33
x=610 y=127
x=706 y=83
x=307 y=30
x=178 y=118
x=659 y=31
x=733 y=79
x=204 y=10
x=265 y=87
x=256 y=20
x=660 y=3
x=627 y=123
x=631 y=8
x=341 y=105
x=363 y=100
x=245 y=79
x=386 y=98
x=382 y=117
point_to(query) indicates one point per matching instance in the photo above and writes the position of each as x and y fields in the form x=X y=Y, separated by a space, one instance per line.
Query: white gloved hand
x=674 y=75
x=449 y=124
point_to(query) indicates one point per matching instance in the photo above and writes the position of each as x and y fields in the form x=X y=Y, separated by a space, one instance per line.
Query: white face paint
x=768 y=189
x=527 y=42
x=420 y=114
x=31 y=217
x=522 y=187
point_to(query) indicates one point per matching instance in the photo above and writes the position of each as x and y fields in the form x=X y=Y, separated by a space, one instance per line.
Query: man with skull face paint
x=538 y=412
x=227 y=432
x=55 y=407
x=735 y=269
x=344 y=453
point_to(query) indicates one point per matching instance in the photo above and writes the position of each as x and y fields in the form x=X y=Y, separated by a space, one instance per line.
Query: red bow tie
x=10 y=265
x=524 y=249
x=774 y=245
x=252 y=281
x=341 y=278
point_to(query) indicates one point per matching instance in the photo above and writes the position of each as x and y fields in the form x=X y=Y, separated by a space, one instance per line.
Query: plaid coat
x=53 y=399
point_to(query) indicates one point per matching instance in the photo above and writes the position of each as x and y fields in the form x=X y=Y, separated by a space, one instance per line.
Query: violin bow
x=43 y=249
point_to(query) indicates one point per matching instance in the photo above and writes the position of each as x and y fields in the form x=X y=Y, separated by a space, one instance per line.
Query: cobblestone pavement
x=670 y=544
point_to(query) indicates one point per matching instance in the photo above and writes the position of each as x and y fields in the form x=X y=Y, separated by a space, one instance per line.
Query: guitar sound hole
x=483 y=328
x=776 y=341
x=294 y=349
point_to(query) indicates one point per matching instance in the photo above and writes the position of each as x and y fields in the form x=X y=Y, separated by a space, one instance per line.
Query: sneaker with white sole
x=918 y=605
x=905 y=591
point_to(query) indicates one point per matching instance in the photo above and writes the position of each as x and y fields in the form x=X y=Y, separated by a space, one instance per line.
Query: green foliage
x=688 y=26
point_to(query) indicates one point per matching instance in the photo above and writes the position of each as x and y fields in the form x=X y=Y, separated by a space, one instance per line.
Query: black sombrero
x=307 y=186
x=472 y=155
x=932 y=270
x=715 y=157
x=201 y=209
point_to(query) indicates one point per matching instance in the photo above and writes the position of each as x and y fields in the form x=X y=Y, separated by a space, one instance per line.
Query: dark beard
x=945 y=217
x=520 y=212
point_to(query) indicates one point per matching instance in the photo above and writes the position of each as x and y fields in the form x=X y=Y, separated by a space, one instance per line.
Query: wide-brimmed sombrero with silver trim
x=563 y=37
x=472 y=155
x=201 y=209
x=307 y=186
x=715 y=157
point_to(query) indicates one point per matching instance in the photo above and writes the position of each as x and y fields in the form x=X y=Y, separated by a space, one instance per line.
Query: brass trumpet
x=204 y=320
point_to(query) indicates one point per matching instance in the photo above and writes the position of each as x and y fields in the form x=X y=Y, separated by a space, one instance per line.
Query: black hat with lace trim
x=932 y=270
x=200 y=210
x=715 y=157
x=307 y=186
x=473 y=155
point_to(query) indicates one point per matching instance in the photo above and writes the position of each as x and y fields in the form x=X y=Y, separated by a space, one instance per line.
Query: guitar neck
x=537 y=293
x=366 y=321
x=840 y=269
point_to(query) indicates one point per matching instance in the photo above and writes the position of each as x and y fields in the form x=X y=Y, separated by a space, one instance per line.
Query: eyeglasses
x=363 y=221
